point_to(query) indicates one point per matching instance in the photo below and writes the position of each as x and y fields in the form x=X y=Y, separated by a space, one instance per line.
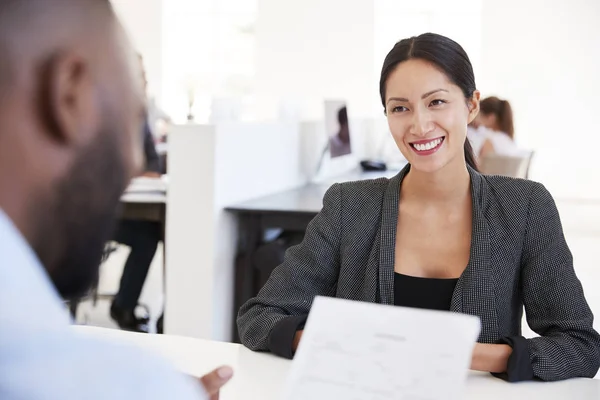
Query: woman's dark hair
x=503 y=112
x=446 y=55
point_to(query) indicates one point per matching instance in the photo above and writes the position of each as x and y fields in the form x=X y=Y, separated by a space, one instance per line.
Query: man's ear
x=473 y=104
x=67 y=99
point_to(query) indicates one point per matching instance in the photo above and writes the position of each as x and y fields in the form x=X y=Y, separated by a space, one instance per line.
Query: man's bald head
x=71 y=108
x=37 y=28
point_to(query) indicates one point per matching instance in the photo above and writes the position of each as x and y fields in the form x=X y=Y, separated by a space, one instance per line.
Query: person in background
x=439 y=235
x=142 y=237
x=158 y=119
x=339 y=144
x=71 y=112
x=492 y=131
x=153 y=165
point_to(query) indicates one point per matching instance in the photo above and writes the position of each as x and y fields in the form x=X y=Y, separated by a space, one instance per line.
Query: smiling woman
x=428 y=92
x=440 y=236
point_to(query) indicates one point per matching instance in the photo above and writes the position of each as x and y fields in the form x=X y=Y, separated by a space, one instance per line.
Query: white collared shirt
x=42 y=358
x=502 y=143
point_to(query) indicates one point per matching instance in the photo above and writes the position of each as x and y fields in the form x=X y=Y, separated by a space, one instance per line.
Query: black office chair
x=513 y=166
x=271 y=254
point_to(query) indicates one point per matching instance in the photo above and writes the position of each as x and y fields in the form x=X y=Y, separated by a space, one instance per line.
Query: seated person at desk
x=70 y=118
x=158 y=119
x=492 y=131
x=142 y=237
x=439 y=236
x=339 y=143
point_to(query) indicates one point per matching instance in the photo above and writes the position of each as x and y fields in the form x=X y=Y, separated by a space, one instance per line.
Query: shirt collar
x=28 y=297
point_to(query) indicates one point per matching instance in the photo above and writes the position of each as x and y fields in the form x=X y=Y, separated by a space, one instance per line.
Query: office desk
x=291 y=210
x=260 y=376
x=145 y=199
x=144 y=206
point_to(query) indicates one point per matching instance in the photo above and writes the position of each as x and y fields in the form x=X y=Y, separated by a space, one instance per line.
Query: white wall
x=459 y=20
x=311 y=50
x=142 y=20
x=252 y=160
x=544 y=56
x=190 y=239
x=212 y=167
x=541 y=55
x=314 y=50
x=209 y=49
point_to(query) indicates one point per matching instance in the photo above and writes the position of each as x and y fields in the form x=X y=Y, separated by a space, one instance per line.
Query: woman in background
x=492 y=131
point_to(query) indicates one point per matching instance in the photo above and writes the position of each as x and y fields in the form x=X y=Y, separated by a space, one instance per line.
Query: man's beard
x=82 y=217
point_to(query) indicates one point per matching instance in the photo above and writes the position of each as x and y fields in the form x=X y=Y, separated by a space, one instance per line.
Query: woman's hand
x=490 y=357
x=296 y=341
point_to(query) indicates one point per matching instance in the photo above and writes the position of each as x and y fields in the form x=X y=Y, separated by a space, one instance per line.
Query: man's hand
x=215 y=380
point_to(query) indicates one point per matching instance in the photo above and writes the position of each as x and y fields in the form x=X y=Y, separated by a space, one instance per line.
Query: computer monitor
x=332 y=137
x=337 y=128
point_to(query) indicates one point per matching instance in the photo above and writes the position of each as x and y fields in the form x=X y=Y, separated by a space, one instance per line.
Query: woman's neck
x=449 y=185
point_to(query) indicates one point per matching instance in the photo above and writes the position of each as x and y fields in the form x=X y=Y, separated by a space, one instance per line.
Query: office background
x=542 y=55
x=271 y=63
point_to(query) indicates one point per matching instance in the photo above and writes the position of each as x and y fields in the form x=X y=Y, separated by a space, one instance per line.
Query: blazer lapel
x=389 y=221
x=474 y=293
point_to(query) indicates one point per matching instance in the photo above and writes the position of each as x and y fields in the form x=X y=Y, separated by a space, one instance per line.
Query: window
x=209 y=48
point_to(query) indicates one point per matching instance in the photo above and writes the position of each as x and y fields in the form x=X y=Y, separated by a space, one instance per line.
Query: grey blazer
x=519 y=257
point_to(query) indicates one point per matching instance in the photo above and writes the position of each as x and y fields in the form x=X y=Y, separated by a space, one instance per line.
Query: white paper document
x=362 y=351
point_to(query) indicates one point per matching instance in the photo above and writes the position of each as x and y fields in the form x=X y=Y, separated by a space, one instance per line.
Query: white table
x=145 y=190
x=144 y=198
x=261 y=376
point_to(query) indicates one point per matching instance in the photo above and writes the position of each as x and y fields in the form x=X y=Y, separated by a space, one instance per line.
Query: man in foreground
x=71 y=109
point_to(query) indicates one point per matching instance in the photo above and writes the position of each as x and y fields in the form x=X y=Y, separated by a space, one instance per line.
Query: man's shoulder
x=64 y=364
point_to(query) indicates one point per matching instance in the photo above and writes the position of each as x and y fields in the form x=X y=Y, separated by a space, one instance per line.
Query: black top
x=428 y=293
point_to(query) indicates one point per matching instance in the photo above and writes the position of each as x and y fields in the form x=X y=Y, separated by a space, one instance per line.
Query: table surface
x=144 y=197
x=260 y=376
x=305 y=199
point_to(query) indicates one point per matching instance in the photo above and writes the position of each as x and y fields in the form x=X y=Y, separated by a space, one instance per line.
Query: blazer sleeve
x=308 y=270
x=555 y=305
